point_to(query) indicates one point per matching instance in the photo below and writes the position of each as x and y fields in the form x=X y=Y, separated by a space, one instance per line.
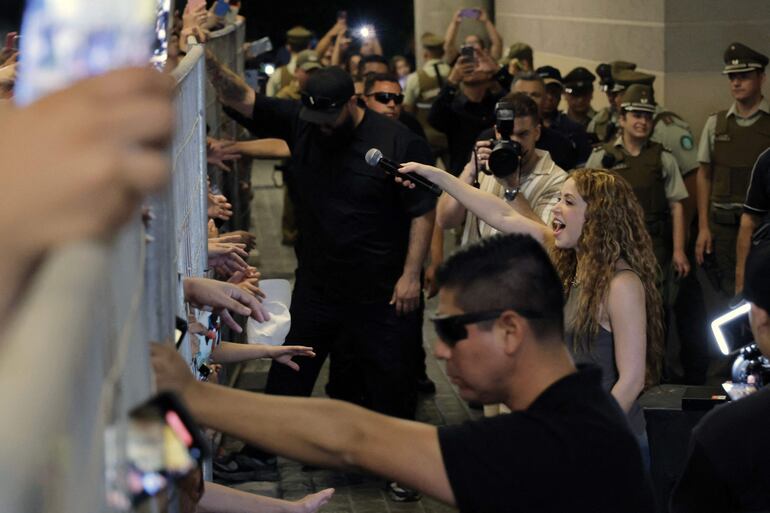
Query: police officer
x=306 y=63
x=556 y=120
x=518 y=58
x=423 y=87
x=730 y=144
x=652 y=172
x=603 y=127
x=297 y=39
x=578 y=92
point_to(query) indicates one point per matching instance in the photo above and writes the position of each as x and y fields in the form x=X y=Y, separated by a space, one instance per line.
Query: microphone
x=375 y=159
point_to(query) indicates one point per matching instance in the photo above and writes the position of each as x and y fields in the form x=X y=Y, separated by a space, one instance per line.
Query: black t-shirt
x=575 y=133
x=461 y=120
x=571 y=450
x=353 y=219
x=728 y=468
x=412 y=124
x=758 y=196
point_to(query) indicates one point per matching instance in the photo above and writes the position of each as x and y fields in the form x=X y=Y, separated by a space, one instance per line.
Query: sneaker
x=241 y=468
x=399 y=493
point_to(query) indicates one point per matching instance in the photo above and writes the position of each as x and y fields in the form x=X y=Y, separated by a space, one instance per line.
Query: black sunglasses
x=385 y=98
x=321 y=102
x=451 y=329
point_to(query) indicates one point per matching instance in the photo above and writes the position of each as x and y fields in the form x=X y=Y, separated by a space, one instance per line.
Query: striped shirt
x=541 y=188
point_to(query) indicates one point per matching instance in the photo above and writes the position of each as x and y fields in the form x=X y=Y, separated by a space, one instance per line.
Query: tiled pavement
x=355 y=493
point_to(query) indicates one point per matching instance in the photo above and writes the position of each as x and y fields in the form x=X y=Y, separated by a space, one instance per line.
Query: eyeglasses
x=321 y=102
x=385 y=98
x=451 y=329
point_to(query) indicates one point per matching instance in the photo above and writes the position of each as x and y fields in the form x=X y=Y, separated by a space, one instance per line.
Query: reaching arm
x=450 y=48
x=628 y=320
x=343 y=435
x=450 y=213
x=263 y=148
x=703 y=243
x=679 y=259
x=338 y=29
x=496 y=42
x=231 y=89
x=489 y=208
x=749 y=223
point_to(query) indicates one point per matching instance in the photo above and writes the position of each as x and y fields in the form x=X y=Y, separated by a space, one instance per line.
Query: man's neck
x=633 y=145
x=535 y=373
x=475 y=92
x=746 y=108
x=358 y=116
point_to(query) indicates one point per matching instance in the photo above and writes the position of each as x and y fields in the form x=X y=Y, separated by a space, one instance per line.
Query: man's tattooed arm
x=231 y=89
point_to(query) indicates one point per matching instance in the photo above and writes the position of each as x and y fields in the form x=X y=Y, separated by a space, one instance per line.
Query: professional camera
x=506 y=154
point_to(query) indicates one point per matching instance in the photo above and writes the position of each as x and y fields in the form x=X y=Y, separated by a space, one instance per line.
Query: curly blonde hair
x=614 y=228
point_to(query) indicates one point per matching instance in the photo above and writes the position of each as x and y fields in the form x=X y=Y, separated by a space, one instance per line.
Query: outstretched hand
x=431 y=173
x=224 y=299
x=284 y=354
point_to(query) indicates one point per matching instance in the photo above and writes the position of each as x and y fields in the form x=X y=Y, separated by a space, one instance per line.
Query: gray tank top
x=602 y=354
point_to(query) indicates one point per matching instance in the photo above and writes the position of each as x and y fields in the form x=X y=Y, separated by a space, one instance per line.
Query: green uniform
x=422 y=88
x=604 y=124
x=731 y=145
x=654 y=175
x=674 y=133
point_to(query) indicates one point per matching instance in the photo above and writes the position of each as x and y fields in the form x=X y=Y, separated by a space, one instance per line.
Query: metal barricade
x=227 y=46
x=75 y=358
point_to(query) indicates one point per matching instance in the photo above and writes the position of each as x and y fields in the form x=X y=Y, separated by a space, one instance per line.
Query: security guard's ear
x=514 y=330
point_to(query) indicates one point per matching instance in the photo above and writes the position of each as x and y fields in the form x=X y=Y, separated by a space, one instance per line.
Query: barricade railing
x=74 y=360
x=227 y=46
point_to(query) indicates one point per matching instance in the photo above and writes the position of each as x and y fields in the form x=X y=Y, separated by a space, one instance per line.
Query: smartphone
x=221 y=8
x=260 y=46
x=468 y=53
x=473 y=14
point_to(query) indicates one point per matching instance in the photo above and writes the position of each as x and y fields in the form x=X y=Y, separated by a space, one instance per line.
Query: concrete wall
x=680 y=41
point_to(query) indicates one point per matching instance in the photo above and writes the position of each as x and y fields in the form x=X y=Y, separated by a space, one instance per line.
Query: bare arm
x=231 y=89
x=406 y=293
x=263 y=148
x=628 y=320
x=749 y=223
x=703 y=243
x=450 y=48
x=218 y=498
x=343 y=435
x=450 y=213
x=679 y=259
x=496 y=42
x=326 y=41
x=489 y=208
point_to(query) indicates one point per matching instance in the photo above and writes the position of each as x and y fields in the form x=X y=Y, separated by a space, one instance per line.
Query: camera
x=506 y=154
x=468 y=53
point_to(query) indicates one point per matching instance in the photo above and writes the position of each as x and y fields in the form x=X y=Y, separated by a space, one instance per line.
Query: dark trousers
x=380 y=344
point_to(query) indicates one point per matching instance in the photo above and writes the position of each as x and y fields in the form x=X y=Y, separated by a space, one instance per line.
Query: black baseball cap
x=756 y=284
x=549 y=74
x=325 y=95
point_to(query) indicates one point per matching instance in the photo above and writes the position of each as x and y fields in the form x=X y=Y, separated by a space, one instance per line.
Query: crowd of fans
x=556 y=328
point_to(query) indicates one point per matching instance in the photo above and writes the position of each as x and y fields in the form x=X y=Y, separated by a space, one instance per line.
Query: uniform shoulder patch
x=686 y=142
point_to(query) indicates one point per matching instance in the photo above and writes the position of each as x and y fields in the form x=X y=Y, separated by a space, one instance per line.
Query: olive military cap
x=740 y=58
x=431 y=40
x=638 y=97
x=626 y=77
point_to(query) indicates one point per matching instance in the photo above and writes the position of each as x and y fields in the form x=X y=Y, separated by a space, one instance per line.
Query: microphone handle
x=392 y=167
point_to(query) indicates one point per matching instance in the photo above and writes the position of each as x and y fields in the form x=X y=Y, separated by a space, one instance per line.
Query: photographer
x=525 y=170
x=727 y=468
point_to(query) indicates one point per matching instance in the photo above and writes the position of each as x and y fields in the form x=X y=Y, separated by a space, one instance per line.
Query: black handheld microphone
x=375 y=159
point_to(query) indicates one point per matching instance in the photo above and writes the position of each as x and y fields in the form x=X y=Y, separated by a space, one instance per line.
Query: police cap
x=740 y=58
